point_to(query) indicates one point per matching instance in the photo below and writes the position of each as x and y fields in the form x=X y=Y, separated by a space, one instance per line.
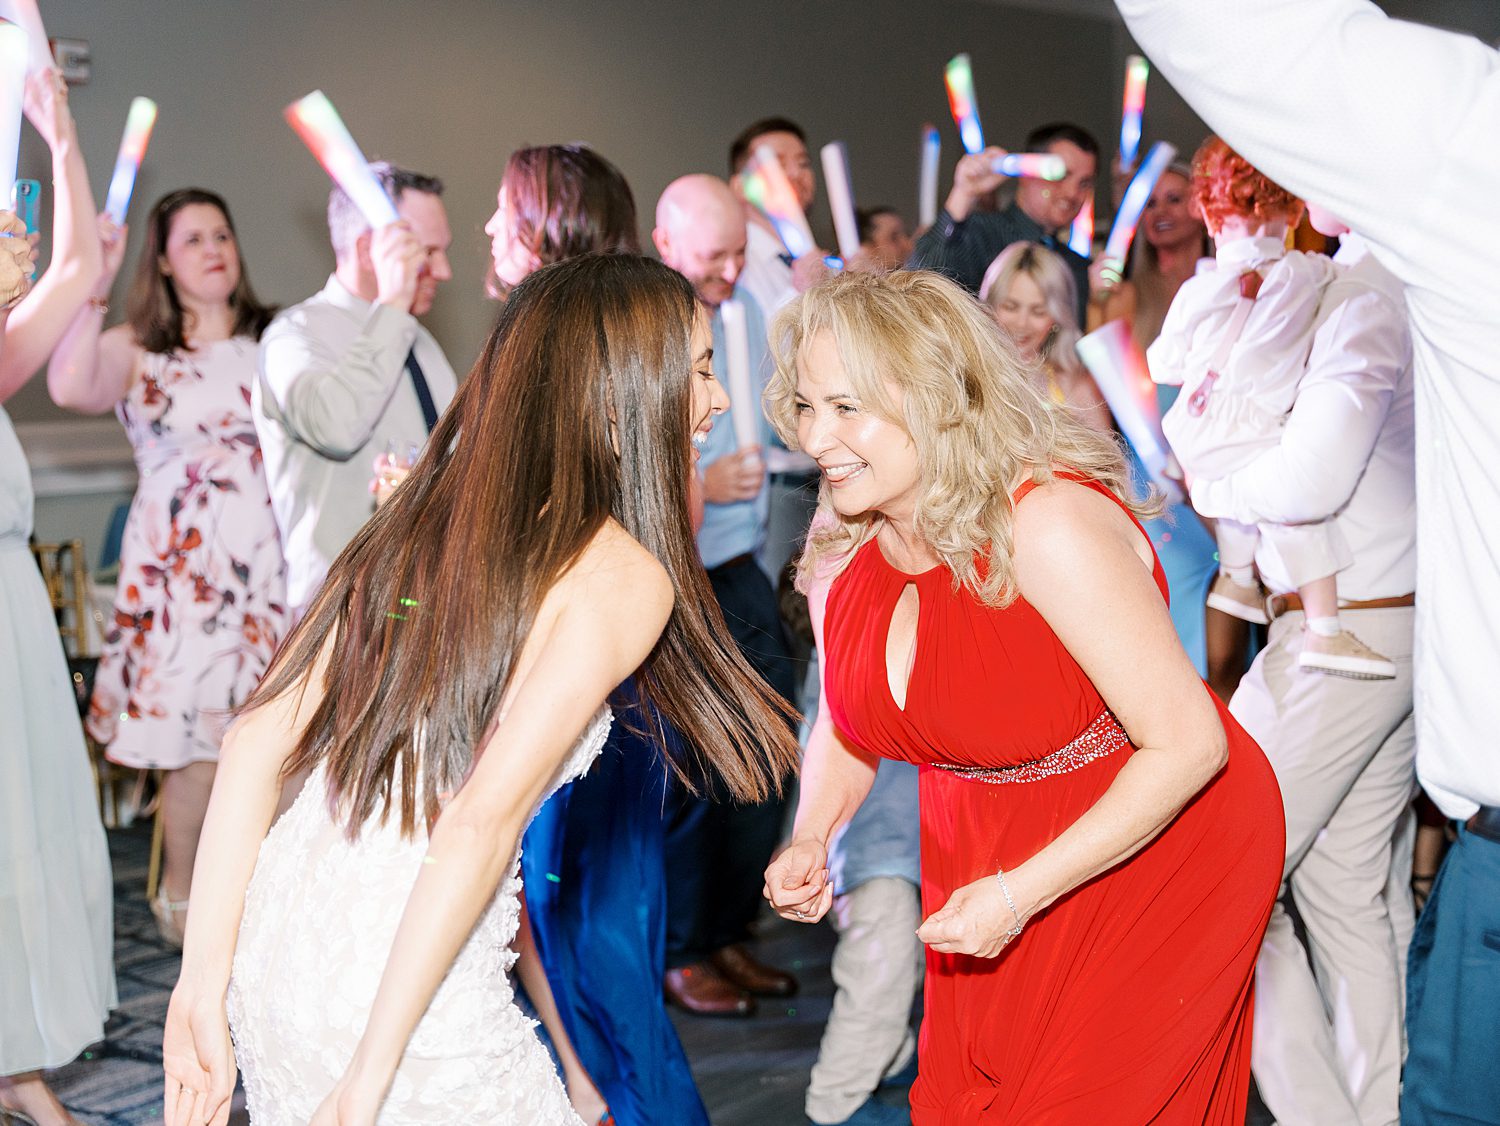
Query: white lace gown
x=320 y=917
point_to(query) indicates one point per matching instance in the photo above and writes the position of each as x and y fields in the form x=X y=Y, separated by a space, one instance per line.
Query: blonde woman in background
x=1032 y=295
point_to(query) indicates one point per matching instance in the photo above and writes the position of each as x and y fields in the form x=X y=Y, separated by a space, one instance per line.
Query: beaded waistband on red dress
x=1104 y=736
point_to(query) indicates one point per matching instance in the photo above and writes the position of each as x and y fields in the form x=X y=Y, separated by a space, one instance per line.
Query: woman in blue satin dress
x=592 y=860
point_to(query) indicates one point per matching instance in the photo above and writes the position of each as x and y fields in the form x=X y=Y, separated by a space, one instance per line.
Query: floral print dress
x=201 y=603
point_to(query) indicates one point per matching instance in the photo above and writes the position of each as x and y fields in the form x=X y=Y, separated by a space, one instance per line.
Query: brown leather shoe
x=701 y=989
x=735 y=963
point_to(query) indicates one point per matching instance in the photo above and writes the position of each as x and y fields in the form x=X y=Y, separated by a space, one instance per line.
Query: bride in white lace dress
x=453 y=671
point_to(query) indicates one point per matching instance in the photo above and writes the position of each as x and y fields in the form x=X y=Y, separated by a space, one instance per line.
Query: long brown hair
x=567 y=200
x=433 y=600
x=152 y=308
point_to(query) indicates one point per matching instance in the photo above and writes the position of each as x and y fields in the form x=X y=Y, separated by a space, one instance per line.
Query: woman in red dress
x=1101 y=842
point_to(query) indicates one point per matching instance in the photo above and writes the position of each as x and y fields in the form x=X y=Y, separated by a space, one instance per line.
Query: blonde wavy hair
x=922 y=353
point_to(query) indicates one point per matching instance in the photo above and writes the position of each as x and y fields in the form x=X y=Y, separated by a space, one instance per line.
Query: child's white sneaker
x=1247 y=603
x=1343 y=654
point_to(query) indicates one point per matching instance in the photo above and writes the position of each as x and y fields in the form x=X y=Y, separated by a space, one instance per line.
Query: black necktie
x=424 y=395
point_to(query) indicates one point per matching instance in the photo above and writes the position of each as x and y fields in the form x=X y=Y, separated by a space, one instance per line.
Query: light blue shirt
x=884 y=837
x=731 y=530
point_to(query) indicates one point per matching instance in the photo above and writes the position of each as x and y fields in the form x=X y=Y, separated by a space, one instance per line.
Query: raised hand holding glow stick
x=13 y=47
x=836 y=178
x=1119 y=368
x=958 y=75
x=743 y=404
x=1134 y=200
x=28 y=16
x=927 y=178
x=323 y=131
x=765 y=185
x=1081 y=233
x=138 y=124
x=1033 y=165
x=1137 y=70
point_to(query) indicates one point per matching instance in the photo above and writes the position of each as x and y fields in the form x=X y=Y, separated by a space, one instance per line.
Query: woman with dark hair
x=201 y=602
x=455 y=669
x=557 y=202
x=592 y=939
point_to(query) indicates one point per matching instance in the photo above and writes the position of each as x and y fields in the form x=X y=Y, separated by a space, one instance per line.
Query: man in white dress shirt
x=1394 y=127
x=1327 y=1045
x=350 y=370
x=773 y=278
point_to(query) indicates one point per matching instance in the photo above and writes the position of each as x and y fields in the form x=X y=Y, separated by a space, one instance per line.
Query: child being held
x=1237 y=339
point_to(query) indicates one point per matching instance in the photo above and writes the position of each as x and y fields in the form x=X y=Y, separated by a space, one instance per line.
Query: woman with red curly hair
x=1237 y=339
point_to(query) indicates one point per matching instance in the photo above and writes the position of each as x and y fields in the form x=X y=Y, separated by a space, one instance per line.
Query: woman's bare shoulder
x=617 y=570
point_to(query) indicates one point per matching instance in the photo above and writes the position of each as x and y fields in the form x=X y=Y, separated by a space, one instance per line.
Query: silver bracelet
x=1015 y=931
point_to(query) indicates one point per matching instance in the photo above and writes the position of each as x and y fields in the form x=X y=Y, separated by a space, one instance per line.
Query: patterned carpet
x=751 y=1072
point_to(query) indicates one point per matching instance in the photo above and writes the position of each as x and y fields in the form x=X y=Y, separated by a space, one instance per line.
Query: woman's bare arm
x=1084 y=567
x=836 y=779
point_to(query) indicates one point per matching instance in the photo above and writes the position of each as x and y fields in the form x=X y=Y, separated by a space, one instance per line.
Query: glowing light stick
x=13 y=45
x=765 y=185
x=323 y=131
x=1081 y=233
x=1134 y=200
x=742 y=401
x=836 y=179
x=1137 y=70
x=1033 y=165
x=26 y=14
x=959 y=77
x=138 y=124
x=1119 y=368
x=927 y=178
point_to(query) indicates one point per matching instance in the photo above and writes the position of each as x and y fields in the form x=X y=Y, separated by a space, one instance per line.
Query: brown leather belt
x=1486 y=823
x=1279 y=604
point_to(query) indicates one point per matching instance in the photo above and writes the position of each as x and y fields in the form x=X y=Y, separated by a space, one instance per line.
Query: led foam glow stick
x=137 y=136
x=765 y=185
x=1081 y=233
x=26 y=14
x=13 y=45
x=1137 y=70
x=323 y=131
x=1134 y=200
x=1034 y=165
x=1119 y=368
x=841 y=197
x=742 y=401
x=959 y=77
x=927 y=178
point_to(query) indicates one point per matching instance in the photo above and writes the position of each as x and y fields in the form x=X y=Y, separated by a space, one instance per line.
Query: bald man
x=717 y=852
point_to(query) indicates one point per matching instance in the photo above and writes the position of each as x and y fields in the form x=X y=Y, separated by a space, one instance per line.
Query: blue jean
x=1452 y=1073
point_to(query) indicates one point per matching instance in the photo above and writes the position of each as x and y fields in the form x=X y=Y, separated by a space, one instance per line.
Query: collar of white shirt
x=1250 y=253
x=337 y=294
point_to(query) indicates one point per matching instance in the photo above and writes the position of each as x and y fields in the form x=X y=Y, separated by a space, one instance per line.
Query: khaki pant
x=1328 y=1040
x=877 y=966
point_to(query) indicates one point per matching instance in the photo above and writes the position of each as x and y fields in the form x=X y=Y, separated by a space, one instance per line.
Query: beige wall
x=451 y=86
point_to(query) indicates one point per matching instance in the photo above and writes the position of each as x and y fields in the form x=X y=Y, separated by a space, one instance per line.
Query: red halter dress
x=1127 y=1001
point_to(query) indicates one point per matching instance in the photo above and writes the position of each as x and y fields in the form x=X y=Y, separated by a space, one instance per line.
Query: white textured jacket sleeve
x=1357 y=358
